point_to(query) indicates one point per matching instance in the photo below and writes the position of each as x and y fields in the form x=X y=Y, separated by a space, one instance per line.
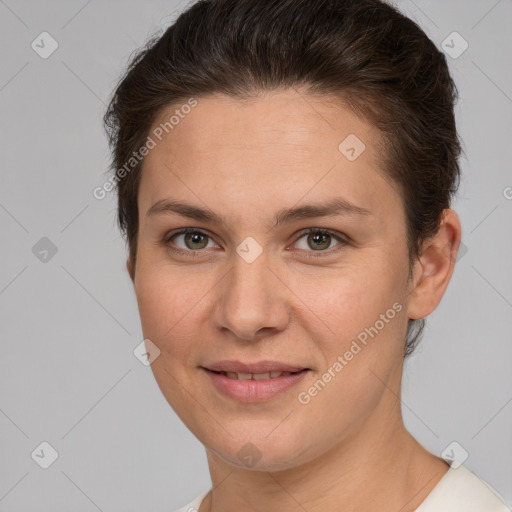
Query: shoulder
x=193 y=506
x=460 y=490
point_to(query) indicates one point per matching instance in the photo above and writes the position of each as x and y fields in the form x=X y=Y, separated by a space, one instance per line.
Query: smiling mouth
x=248 y=387
x=256 y=376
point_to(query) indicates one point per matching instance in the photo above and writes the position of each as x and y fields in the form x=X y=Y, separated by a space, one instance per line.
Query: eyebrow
x=333 y=207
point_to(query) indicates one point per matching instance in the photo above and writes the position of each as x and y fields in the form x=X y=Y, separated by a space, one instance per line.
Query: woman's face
x=250 y=289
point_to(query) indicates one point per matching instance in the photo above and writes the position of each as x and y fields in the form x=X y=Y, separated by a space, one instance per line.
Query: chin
x=262 y=452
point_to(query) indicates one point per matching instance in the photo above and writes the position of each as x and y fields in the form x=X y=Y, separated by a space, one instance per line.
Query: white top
x=458 y=491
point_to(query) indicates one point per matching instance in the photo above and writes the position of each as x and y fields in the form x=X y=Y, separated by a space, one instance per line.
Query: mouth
x=256 y=376
x=248 y=387
x=253 y=368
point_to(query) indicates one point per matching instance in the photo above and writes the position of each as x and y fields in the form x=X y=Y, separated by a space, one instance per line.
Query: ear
x=130 y=268
x=434 y=267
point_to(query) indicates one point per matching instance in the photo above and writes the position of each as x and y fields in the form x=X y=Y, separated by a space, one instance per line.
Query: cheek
x=366 y=318
x=348 y=299
x=166 y=301
x=364 y=311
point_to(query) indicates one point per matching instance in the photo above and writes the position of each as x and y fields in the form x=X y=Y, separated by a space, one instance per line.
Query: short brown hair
x=363 y=51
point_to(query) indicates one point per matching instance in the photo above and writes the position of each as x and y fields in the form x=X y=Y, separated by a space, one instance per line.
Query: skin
x=347 y=449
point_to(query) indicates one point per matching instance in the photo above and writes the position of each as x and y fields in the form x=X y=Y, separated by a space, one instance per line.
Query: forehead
x=272 y=119
x=269 y=150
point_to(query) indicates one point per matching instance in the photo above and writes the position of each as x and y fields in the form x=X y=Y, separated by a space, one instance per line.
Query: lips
x=254 y=390
x=254 y=382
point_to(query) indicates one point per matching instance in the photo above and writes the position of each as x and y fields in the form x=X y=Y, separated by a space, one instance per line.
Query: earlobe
x=434 y=268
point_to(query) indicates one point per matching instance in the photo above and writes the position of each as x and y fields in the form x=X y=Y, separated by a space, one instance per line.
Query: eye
x=193 y=239
x=319 y=240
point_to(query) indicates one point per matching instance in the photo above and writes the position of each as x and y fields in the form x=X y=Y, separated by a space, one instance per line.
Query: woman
x=284 y=174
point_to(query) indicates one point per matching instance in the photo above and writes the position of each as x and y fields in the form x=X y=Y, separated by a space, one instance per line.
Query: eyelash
x=192 y=253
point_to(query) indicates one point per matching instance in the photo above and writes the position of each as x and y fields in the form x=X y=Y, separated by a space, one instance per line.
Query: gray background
x=69 y=324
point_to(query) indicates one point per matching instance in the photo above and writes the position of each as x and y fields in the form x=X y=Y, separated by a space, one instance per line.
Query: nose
x=251 y=300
